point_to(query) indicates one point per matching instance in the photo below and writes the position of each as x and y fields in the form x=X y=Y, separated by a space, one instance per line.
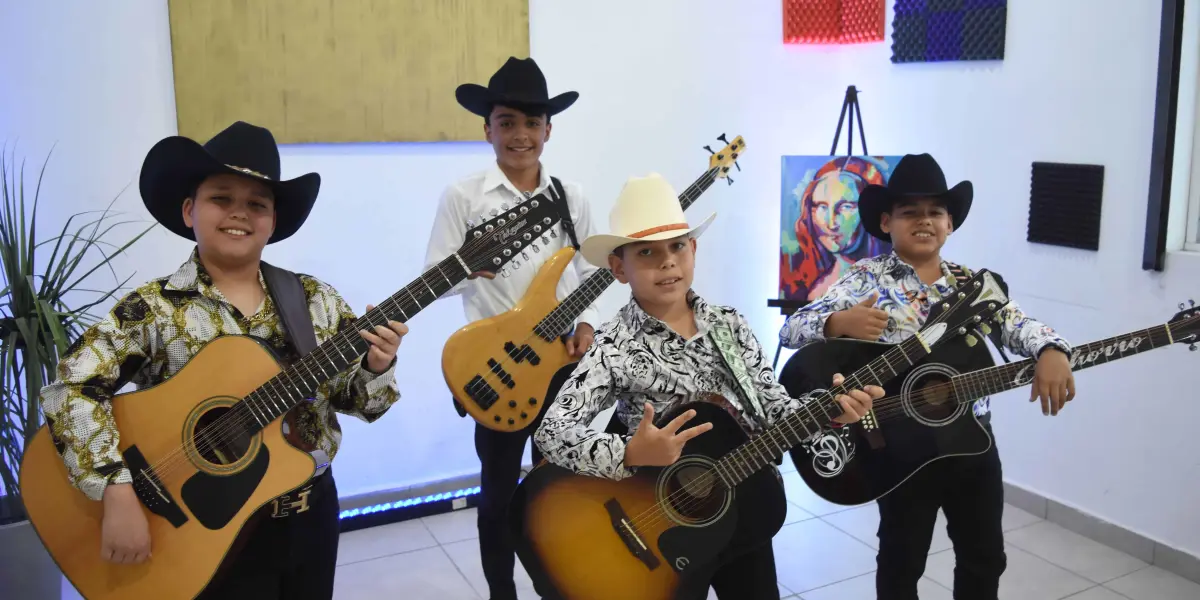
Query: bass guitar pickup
x=150 y=489
x=522 y=353
x=633 y=540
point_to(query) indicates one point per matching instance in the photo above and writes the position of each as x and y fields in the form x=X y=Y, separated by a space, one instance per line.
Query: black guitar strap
x=288 y=294
x=961 y=275
x=564 y=211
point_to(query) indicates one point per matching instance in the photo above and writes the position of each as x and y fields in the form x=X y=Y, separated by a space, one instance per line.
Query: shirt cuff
x=620 y=471
x=94 y=485
x=372 y=382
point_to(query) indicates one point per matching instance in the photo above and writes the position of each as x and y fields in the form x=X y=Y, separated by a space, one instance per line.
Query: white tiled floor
x=823 y=552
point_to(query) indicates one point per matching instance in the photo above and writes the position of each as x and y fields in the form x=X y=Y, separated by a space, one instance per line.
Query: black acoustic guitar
x=926 y=412
x=662 y=532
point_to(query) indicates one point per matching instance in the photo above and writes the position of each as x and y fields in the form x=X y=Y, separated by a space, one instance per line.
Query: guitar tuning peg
x=986 y=329
x=1182 y=306
x=730 y=180
x=710 y=150
x=739 y=167
x=971 y=340
x=1191 y=302
x=1192 y=347
x=722 y=138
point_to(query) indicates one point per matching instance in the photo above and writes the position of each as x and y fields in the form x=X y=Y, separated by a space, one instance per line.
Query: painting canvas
x=821 y=235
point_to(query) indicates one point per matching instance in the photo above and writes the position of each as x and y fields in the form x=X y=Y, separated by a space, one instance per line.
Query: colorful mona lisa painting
x=821 y=236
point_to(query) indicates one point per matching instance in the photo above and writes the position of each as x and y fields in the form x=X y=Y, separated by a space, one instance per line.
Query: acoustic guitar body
x=499 y=369
x=862 y=462
x=644 y=537
x=202 y=490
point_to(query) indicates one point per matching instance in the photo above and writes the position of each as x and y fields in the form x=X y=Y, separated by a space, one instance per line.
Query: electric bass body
x=658 y=535
x=859 y=463
x=501 y=369
x=197 y=496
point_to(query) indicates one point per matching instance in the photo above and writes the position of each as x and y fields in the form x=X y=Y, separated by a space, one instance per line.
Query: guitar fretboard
x=969 y=387
x=560 y=320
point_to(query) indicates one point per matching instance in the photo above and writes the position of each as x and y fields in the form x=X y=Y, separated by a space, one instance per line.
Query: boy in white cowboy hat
x=656 y=352
x=227 y=196
x=516 y=109
x=887 y=298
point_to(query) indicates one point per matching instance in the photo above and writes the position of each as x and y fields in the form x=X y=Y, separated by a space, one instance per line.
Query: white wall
x=658 y=81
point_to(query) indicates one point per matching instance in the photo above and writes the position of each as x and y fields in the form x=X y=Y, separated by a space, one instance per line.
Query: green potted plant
x=42 y=280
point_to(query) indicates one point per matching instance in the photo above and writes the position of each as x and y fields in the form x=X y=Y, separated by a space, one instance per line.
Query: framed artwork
x=820 y=234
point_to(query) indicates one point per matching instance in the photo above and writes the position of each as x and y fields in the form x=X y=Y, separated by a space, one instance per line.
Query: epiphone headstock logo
x=502 y=235
x=1080 y=359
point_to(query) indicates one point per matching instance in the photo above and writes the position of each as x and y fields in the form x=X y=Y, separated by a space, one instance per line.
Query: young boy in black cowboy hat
x=516 y=110
x=668 y=345
x=887 y=298
x=228 y=197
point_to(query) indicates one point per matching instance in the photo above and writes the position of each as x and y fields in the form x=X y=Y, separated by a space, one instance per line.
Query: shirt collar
x=495 y=178
x=895 y=261
x=192 y=277
x=638 y=320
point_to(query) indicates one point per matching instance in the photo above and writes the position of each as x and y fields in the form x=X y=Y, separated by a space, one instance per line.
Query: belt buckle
x=282 y=504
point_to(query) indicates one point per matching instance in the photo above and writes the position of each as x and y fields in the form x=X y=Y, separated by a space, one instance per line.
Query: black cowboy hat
x=520 y=84
x=176 y=165
x=915 y=176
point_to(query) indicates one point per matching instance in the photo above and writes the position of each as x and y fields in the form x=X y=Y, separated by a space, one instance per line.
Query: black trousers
x=969 y=489
x=750 y=576
x=500 y=467
x=291 y=556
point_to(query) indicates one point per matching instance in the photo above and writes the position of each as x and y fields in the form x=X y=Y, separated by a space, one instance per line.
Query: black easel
x=849 y=105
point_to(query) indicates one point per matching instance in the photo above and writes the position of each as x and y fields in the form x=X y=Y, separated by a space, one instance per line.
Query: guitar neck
x=303 y=377
x=972 y=386
x=816 y=413
x=564 y=315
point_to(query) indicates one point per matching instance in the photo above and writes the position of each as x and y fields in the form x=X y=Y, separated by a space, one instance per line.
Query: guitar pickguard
x=216 y=499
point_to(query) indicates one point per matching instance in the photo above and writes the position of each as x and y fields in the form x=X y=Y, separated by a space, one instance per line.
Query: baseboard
x=1110 y=534
x=413 y=502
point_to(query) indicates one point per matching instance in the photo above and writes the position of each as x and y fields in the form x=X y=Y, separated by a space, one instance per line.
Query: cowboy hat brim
x=877 y=199
x=479 y=100
x=596 y=248
x=176 y=165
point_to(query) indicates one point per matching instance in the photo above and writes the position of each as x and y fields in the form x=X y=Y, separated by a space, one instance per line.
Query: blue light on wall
x=378 y=508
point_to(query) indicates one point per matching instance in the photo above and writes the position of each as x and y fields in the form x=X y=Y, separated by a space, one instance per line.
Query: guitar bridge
x=482 y=392
x=150 y=489
x=633 y=540
x=870 y=430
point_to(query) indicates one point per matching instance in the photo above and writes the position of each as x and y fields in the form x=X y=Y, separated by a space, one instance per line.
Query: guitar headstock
x=1185 y=325
x=726 y=157
x=491 y=244
x=970 y=307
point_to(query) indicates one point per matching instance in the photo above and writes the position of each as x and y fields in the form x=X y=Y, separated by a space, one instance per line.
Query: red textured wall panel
x=833 y=21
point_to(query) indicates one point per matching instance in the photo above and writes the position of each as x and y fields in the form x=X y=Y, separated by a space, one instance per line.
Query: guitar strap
x=722 y=336
x=961 y=275
x=564 y=211
x=288 y=294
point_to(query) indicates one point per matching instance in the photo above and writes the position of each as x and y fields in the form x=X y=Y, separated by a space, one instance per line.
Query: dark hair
x=529 y=110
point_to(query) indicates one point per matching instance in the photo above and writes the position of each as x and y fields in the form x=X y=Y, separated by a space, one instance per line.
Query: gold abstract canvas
x=347 y=71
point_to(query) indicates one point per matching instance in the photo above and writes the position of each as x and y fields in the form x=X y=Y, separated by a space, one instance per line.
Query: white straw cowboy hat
x=647 y=210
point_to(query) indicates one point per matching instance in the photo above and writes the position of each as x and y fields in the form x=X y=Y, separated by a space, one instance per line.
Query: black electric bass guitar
x=661 y=533
x=927 y=413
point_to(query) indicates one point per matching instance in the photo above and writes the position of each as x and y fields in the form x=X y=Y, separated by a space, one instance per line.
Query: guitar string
x=691 y=500
x=976 y=377
x=218 y=431
x=488 y=377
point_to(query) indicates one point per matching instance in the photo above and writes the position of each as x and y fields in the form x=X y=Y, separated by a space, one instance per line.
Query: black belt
x=301 y=499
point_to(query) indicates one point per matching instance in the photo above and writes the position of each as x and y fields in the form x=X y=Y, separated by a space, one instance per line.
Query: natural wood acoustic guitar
x=504 y=370
x=228 y=401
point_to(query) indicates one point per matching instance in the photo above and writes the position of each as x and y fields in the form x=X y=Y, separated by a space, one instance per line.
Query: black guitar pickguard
x=216 y=499
x=884 y=451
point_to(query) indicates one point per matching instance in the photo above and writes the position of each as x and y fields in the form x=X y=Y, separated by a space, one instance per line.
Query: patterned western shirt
x=152 y=332
x=907 y=300
x=636 y=358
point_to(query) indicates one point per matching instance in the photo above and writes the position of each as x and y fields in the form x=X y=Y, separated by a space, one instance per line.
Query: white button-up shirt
x=478 y=198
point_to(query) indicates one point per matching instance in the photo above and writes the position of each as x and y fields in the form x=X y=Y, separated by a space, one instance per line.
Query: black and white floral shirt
x=907 y=301
x=636 y=358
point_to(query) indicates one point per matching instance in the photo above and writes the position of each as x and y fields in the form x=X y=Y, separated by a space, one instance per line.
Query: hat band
x=645 y=232
x=248 y=171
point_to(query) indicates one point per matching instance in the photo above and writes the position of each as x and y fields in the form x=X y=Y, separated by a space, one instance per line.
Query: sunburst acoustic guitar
x=504 y=369
x=229 y=401
x=660 y=534
x=926 y=413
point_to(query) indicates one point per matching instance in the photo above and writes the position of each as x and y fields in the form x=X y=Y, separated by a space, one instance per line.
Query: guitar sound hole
x=934 y=400
x=221 y=439
x=694 y=494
